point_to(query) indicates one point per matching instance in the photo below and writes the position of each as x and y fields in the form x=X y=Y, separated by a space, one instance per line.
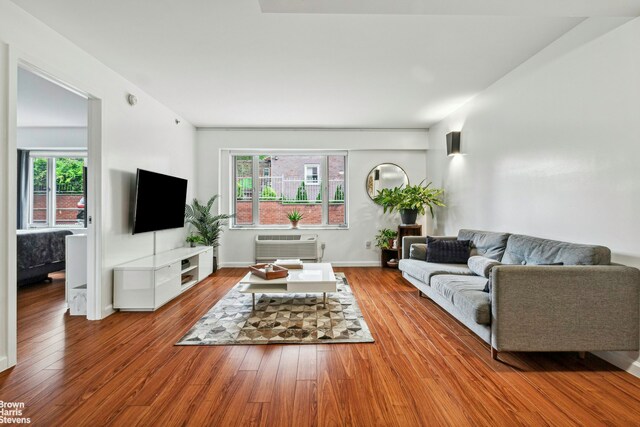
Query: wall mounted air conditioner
x=302 y=246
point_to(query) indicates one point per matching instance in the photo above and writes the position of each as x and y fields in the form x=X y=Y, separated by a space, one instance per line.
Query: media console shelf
x=147 y=283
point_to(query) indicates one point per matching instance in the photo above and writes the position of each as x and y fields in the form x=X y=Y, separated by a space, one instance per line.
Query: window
x=56 y=190
x=312 y=174
x=310 y=182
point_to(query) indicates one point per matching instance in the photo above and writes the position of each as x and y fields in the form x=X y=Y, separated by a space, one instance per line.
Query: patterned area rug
x=282 y=319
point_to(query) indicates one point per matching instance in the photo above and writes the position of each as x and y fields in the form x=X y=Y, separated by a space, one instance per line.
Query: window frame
x=323 y=169
x=52 y=190
x=318 y=174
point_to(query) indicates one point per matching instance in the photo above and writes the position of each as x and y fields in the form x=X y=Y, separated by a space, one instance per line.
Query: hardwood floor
x=423 y=369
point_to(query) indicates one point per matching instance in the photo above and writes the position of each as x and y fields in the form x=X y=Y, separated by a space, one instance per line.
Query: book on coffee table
x=289 y=263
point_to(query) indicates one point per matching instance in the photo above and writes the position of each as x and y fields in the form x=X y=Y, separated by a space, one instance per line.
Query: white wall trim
x=356 y=264
x=11 y=200
x=94 y=199
x=334 y=264
x=620 y=360
x=5 y=276
x=108 y=311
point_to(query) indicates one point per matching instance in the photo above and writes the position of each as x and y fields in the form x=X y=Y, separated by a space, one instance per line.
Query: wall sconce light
x=453 y=143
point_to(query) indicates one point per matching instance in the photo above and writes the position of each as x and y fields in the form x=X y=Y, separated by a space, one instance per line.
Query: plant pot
x=192 y=244
x=294 y=224
x=215 y=264
x=408 y=216
x=390 y=244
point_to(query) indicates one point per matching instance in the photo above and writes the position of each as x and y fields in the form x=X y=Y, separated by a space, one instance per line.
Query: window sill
x=275 y=227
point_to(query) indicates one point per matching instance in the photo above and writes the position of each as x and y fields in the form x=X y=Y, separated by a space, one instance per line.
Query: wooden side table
x=403 y=230
x=386 y=255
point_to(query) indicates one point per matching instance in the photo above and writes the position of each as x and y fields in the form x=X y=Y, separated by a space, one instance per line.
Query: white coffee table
x=312 y=278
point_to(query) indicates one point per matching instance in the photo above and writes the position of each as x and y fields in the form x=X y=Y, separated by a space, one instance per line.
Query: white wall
x=144 y=136
x=552 y=148
x=366 y=150
x=33 y=138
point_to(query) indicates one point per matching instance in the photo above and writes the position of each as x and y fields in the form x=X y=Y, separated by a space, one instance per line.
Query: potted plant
x=385 y=238
x=295 y=216
x=193 y=239
x=410 y=200
x=208 y=227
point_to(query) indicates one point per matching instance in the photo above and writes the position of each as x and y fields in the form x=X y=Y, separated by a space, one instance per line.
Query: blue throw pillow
x=448 y=251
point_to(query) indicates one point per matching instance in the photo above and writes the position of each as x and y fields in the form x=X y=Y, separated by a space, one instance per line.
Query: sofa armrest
x=407 y=241
x=565 y=308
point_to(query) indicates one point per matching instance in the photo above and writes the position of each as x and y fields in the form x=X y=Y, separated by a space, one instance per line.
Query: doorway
x=56 y=136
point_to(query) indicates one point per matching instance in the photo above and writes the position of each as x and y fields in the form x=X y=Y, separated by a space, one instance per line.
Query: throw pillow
x=418 y=251
x=448 y=251
x=481 y=266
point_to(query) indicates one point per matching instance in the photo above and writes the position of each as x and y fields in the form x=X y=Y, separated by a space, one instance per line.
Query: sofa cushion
x=481 y=266
x=424 y=271
x=418 y=251
x=447 y=251
x=466 y=294
x=489 y=244
x=534 y=250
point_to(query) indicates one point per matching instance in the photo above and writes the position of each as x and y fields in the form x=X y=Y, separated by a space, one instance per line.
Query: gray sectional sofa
x=545 y=295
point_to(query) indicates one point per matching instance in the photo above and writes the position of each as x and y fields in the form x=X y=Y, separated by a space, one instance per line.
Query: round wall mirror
x=385 y=175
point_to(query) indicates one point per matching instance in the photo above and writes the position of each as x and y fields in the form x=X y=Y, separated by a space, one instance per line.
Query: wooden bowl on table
x=260 y=271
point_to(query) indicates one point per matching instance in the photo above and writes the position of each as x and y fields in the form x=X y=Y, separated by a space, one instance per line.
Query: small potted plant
x=295 y=216
x=385 y=238
x=193 y=239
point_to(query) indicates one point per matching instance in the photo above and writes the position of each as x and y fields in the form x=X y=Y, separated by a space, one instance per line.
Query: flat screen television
x=159 y=202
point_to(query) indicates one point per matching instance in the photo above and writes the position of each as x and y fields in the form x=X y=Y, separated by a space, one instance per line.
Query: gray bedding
x=40 y=252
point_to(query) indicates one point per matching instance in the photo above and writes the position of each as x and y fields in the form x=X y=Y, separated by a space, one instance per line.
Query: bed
x=40 y=252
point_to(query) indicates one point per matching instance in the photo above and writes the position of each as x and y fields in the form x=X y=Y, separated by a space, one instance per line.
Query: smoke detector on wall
x=132 y=100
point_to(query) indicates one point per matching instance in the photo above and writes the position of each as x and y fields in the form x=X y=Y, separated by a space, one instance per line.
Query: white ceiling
x=569 y=8
x=225 y=63
x=42 y=103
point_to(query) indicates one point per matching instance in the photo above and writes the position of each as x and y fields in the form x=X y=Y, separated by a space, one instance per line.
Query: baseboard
x=234 y=264
x=620 y=360
x=356 y=264
x=4 y=364
x=334 y=263
x=107 y=311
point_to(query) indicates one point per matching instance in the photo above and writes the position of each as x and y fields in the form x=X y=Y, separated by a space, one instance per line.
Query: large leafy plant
x=412 y=197
x=208 y=226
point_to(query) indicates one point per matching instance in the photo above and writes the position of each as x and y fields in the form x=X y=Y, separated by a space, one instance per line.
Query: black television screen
x=159 y=203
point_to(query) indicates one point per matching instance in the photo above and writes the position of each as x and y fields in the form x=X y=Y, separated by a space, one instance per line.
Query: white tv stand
x=148 y=283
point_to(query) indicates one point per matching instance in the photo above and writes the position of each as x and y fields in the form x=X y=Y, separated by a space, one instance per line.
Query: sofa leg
x=582 y=355
x=494 y=353
x=420 y=294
